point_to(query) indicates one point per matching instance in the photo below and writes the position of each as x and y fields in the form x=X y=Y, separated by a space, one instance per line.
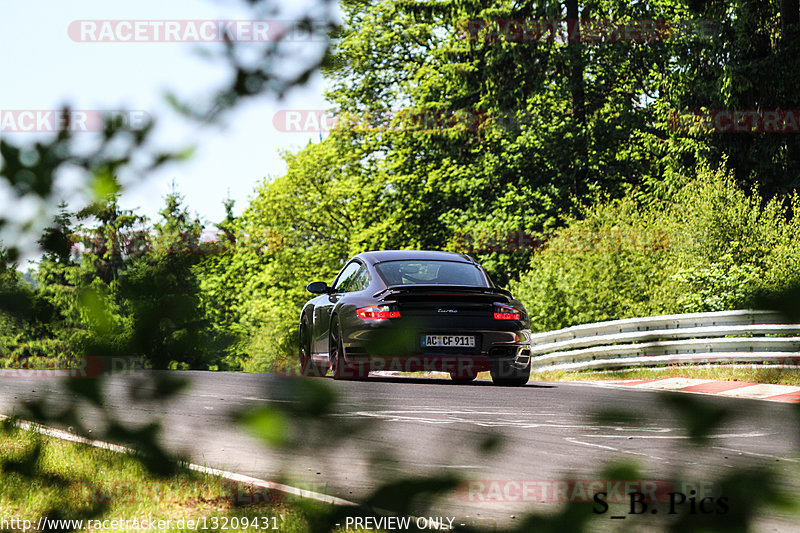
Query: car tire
x=307 y=365
x=339 y=368
x=506 y=375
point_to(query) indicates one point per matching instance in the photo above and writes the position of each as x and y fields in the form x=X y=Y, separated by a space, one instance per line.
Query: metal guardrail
x=754 y=337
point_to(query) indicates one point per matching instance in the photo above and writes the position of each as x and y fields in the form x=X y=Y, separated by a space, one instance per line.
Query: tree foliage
x=712 y=248
x=455 y=134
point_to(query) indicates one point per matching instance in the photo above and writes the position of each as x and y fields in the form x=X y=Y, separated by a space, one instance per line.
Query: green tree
x=160 y=292
x=712 y=247
x=478 y=133
x=748 y=62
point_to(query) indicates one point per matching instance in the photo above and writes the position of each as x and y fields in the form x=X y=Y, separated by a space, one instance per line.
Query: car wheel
x=307 y=365
x=334 y=351
x=506 y=375
x=339 y=368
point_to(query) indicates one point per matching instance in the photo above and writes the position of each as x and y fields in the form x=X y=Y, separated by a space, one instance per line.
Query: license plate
x=448 y=341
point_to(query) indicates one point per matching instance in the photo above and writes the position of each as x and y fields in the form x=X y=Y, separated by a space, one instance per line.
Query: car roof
x=413 y=255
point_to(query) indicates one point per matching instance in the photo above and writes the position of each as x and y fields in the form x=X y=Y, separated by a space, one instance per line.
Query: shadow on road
x=442 y=381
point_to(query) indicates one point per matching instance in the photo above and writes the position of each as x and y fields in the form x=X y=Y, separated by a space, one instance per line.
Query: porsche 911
x=414 y=311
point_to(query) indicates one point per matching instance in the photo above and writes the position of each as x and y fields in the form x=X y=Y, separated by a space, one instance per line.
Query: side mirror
x=318 y=287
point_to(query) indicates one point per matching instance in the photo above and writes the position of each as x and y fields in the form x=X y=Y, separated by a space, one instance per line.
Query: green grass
x=73 y=481
x=721 y=373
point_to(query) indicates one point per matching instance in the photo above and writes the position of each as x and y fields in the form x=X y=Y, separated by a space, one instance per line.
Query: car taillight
x=506 y=313
x=377 y=312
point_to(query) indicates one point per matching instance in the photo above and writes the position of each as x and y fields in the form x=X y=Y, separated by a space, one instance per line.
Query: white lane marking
x=433 y=465
x=444 y=417
x=770 y=456
x=629 y=452
x=722 y=436
x=454 y=418
x=233 y=476
x=271 y=400
x=576 y=441
x=251 y=398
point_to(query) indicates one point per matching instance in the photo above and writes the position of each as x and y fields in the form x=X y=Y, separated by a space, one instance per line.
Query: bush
x=709 y=247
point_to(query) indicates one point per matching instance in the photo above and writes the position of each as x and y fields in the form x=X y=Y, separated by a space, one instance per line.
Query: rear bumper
x=402 y=350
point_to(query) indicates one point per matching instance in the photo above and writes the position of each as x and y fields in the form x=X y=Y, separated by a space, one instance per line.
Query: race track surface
x=385 y=429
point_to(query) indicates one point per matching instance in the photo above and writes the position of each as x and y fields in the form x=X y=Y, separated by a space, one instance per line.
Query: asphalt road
x=387 y=429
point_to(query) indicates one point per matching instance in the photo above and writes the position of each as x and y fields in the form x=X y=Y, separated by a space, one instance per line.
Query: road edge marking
x=728 y=389
x=231 y=476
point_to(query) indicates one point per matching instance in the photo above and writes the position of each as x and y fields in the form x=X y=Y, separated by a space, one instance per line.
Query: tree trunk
x=578 y=95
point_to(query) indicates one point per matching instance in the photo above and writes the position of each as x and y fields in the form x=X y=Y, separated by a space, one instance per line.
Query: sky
x=45 y=67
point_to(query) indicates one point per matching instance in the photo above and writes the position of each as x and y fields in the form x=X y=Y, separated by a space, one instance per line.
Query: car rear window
x=431 y=273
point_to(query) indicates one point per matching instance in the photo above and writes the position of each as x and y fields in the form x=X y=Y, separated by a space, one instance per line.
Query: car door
x=326 y=303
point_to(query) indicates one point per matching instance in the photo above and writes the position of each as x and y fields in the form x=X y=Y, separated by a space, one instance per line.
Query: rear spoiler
x=441 y=289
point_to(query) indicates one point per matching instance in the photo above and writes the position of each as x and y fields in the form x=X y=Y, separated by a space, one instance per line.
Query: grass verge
x=748 y=374
x=110 y=491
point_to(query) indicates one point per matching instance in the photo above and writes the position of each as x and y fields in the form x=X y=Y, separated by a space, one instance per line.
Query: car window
x=345 y=276
x=360 y=281
x=431 y=273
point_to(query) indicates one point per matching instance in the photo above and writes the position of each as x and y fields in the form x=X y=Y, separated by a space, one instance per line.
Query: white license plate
x=448 y=341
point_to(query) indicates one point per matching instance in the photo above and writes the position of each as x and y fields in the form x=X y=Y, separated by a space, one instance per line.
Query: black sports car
x=414 y=311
